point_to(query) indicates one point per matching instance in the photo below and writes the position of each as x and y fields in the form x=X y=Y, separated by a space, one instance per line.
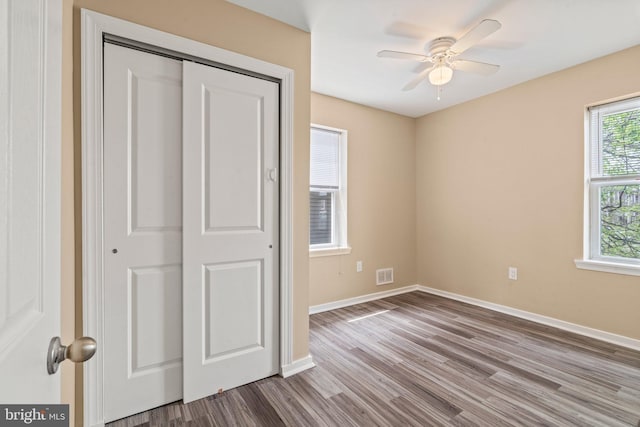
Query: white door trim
x=94 y=26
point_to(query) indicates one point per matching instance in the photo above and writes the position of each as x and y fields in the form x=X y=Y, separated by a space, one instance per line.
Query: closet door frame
x=95 y=27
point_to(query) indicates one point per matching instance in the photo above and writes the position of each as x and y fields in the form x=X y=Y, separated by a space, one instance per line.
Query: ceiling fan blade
x=475 y=67
x=477 y=33
x=401 y=55
x=423 y=66
x=415 y=82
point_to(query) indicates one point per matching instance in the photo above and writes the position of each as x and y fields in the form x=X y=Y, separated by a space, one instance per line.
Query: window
x=328 y=191
x=612 y=229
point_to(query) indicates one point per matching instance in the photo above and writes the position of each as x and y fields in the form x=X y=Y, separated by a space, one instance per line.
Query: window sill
x=313 y=253
x=608 y=267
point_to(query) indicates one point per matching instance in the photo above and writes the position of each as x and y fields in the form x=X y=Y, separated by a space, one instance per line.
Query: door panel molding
x=94 y=27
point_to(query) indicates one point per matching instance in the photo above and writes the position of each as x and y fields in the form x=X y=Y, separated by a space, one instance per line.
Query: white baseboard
x=609 y=337
x=358 y=300
x=297 y=366
x=538 y=318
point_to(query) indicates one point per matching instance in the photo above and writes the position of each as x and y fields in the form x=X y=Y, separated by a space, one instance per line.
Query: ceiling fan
x=439 y=64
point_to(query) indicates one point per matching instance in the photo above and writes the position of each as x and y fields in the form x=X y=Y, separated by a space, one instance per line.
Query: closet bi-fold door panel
x=225 y=263
x=230 y=241
x=142 y=231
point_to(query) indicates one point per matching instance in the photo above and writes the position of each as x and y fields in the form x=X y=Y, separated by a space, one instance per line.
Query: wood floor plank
x=288 y=408
x=259 y=405
x=420 y=360
x=420 y=413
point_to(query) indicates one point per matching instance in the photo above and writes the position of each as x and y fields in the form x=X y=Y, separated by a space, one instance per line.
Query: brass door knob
x=80 y=350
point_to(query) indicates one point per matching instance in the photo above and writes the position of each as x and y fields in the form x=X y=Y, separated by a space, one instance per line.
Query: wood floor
x=417 y=359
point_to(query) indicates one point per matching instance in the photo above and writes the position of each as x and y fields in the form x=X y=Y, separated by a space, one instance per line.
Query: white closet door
x=230 y=242
x=142 y=231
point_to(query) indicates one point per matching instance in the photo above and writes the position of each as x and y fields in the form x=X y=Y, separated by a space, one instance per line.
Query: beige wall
x=500 y=183
x=381 y=201
x=217 y=23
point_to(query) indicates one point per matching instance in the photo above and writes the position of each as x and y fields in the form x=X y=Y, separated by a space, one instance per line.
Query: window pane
x=621 y=143
x=620 y=221
x=321 y=221
x=325 y=164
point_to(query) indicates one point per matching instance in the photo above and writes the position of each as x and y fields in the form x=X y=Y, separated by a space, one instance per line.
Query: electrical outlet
x=513 y=273
x=358 y=266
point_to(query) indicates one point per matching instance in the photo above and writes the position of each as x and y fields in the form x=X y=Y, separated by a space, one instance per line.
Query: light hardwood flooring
x=420 y=360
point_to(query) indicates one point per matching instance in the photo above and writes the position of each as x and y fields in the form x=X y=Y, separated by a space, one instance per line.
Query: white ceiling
x=537 y=37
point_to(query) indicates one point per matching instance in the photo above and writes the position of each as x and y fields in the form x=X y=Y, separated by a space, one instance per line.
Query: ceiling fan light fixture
x=440 y=75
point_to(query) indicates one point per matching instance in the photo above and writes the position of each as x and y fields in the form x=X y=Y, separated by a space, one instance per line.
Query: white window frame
x=592 y=258
x=339 y=244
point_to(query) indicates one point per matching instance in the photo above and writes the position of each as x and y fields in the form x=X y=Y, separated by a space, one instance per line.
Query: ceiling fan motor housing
x=438 y=48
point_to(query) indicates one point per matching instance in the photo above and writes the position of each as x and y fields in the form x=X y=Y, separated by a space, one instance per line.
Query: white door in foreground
x=30 y=69
x=230 y=240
